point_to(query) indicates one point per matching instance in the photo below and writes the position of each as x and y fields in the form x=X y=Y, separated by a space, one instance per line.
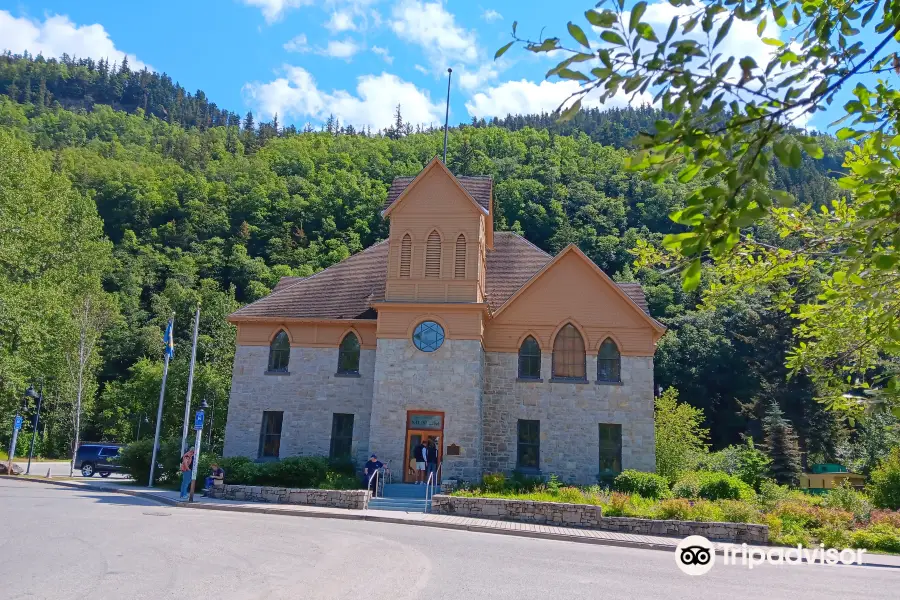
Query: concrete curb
x=395 y=520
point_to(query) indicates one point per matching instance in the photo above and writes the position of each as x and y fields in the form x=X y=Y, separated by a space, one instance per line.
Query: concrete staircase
x=403 y=497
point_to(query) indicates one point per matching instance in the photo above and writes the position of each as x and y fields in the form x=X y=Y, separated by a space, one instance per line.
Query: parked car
x=98 y=458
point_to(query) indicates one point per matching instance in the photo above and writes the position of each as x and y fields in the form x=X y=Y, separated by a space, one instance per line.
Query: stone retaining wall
x=589 y=516
x=354 y=499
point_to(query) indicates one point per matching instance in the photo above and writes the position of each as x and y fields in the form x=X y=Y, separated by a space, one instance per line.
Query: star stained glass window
x=428 y=336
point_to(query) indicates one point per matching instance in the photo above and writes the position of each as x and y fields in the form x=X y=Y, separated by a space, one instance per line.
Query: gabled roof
x=618 y=288
x=477 y=189
x=348 y=289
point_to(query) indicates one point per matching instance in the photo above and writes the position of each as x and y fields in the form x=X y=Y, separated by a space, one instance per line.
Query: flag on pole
x=169 y=341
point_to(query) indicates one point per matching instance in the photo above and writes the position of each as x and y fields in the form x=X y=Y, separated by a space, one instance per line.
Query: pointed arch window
x=459 y=270
x=405 y=256
x=568 y=354
x=433 y=255
x=529 y=359
x=609 y=362
x=348 y=355
x=279 y=353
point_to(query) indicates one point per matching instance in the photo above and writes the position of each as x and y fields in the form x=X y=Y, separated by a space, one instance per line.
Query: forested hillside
x=132 y=214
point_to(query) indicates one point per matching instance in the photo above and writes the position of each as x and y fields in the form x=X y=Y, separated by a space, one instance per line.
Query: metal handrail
x=433 y=479
x=369 y=486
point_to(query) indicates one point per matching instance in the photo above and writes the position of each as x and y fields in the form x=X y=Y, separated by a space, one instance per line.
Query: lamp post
x=17 y=425
x=198 y=427
x=39 y=396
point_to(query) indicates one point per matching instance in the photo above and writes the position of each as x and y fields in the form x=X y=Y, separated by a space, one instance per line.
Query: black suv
x=97 y=458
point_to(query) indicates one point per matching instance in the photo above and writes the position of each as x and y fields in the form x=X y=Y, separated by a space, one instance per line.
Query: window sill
x=529 y=471
x=277 y=373
x=529 y=380
x=567 y=380
x=347 y=375
x=599 y=382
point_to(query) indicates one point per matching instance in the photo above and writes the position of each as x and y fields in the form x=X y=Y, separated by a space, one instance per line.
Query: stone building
x=508 y=358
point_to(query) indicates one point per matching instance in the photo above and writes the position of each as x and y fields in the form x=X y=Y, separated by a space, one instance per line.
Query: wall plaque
x=452 y=450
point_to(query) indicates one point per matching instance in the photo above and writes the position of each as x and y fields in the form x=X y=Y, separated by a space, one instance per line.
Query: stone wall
x=569 y=414
x=589 y=516
x=353 y=499
x=449 y=380
x=309 y=395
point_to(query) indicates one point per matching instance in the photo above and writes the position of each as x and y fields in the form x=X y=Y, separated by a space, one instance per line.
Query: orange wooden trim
x=577 y=325
x=656 y=325
x=525 y=336
x=282 y=321
x=611 y=336
x=428 y=317
x=444 y=307
x=434 y=161
x=279 y=329
x=355 y=332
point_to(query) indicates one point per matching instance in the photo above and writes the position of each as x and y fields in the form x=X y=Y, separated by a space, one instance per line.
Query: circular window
x=428 y=336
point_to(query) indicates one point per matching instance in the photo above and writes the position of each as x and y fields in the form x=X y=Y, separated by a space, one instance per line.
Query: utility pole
x=39 y=396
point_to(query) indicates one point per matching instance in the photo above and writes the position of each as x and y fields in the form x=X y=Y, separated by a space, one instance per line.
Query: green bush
x=835 y=537
x=294 y=472
x=687 y=486
x=494 y=482
x=521 y=483
x=884 y=482
x=135 y=458
x=877 y=537
x=674 y=509
x=647 y=485
x=846 y=498
x=739 y=511
x=711 y=485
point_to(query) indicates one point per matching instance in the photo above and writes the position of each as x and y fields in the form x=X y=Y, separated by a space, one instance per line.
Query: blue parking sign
x=198 y=420
x=18 y=424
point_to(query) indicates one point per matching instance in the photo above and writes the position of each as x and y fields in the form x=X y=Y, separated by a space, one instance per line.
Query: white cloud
x=430 y=26
x=471 y=80
x=296 y=96
x=297 y=44
x=58 y=35
x=422 y=70
x=491 y=15
x=341 y=20
x=383 y=53
x=340 y=49
x=273 y=10
x=526 y=97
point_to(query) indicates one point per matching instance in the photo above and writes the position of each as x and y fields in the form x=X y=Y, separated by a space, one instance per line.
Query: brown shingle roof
x=342 y=291
x=347 y=290
x=479 y=188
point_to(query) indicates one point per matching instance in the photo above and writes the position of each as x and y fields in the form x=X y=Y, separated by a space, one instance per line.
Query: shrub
x=886 y=517
x=623 y=505
x=674 y=508
x=770 y=493
x=680 y=439
x=884 y=482
x=135 y=458
x=648 y=485
x=881 y=537
x=294 y=472
x=834 y=537
x=494 y=482
x=846 y=498
x=712 y=486
x=522 y=483
x=704 y=510
x=739 y=511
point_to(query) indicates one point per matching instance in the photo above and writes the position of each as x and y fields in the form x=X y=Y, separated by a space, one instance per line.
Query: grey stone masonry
x=309 y=395
x=449 y=380
x=569 y=415
x=352 y=499
x=590 y=516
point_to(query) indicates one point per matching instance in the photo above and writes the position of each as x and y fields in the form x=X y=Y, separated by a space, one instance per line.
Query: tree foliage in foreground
x=733 y=118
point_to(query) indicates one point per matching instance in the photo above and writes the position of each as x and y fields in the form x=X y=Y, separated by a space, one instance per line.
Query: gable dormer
x=440 y=229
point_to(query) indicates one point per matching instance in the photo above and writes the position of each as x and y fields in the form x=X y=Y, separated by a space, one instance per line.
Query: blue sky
x=306 y=59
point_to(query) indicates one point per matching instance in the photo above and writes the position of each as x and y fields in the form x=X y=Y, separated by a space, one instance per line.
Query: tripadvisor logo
x=696 y=555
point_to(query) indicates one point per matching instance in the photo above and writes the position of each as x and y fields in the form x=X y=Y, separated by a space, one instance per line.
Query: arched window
x=348 y=355
x=609 y=362
x=568 y=354
x=433 y=255
x=529 y=359
x=279 y=353
x=405 y=255
x=459 y=270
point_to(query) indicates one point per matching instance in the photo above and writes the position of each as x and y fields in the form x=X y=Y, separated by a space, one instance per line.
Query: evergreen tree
x=782 y=446
x=248 y=122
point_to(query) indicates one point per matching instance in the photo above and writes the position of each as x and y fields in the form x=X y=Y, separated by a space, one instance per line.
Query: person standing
x=419 y=453
x=372 y=465
x=431 y=458
x=187 y=470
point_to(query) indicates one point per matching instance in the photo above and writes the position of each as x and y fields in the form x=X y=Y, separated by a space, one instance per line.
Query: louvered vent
x=460 y=266
x=433 y=255
x=405 y=255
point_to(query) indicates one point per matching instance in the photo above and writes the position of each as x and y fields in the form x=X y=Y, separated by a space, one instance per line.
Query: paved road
x=64 y=543
x=57 y=468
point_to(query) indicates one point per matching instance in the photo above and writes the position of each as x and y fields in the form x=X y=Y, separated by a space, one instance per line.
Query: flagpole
x=162 y=395
x=190 y=385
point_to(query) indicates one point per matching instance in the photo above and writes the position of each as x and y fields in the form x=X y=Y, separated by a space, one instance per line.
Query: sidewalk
x=569 y=534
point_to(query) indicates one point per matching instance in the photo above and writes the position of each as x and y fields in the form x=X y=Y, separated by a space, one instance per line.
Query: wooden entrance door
x=433 y=430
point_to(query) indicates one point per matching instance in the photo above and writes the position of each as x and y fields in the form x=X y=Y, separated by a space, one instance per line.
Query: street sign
x=198 y=420
x=18 y=424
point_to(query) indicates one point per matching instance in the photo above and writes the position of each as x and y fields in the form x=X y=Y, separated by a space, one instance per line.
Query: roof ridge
x=526 y=240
